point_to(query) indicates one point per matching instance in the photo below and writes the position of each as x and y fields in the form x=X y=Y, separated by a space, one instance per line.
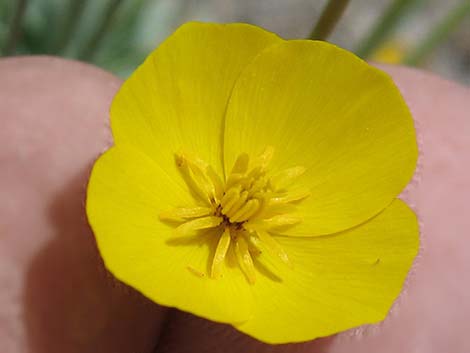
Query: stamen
x=244 y=259
x=248 y=207
x=282 y=220
x=194 y=271
x=255 y=173
x=233 y=179
x=292 y=196
x=258 y=185
x=217 y=182
x=248 y=210
x=265 y=158
x=198 y=167
x=188 y=177
x=246 y=182
x=180 y=213
x=241 y=164
x=238 y=203
x=273 y=247
x=284 y=178
x=196 y=224
x=229 y=199
x=220 y=253
x=254 y=243
x=268 y=210
x=273 y=222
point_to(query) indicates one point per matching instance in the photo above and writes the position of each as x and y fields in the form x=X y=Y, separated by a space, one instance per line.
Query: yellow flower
x=253 y=181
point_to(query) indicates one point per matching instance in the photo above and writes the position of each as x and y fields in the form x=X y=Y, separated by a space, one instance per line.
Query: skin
x=56 y=295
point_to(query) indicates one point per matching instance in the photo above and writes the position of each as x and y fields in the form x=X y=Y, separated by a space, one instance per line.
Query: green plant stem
x=69 y=25
x=383 y=27
x=328 y=19
x=15 y=27
x=90 y=48
x=438 y=34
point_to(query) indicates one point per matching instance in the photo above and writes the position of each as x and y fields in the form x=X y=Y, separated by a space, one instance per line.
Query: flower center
x=250 y=205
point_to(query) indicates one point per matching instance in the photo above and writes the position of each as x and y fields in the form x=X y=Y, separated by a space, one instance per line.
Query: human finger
x=56 y=295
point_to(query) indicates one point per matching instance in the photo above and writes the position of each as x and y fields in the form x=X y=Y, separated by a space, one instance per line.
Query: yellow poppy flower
x=253 y=181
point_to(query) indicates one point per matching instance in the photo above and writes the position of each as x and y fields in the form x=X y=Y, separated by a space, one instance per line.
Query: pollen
x=246 y=208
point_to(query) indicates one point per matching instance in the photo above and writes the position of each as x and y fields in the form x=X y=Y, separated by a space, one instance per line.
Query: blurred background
x=117 y=34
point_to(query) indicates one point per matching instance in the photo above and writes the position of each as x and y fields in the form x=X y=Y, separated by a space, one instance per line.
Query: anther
x=179 y=214
x=284 y=178
x=244 y=259
x=265 y=158
x=220 y=253
x=217 y=182
x=273 y=247
x=247 y=211
x=292 y=196
x=273 y=222
x=233 y=179
x=229 y=199
x=258 y=185
x=237 y=205
x=197 y=224
x=241 y=164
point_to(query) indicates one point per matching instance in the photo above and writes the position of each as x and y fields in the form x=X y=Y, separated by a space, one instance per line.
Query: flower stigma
x=246 y=209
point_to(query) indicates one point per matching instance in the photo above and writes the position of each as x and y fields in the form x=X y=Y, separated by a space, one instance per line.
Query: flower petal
x=324 y=109
x=176 y=100
x=126 y=193
x=338 y=281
